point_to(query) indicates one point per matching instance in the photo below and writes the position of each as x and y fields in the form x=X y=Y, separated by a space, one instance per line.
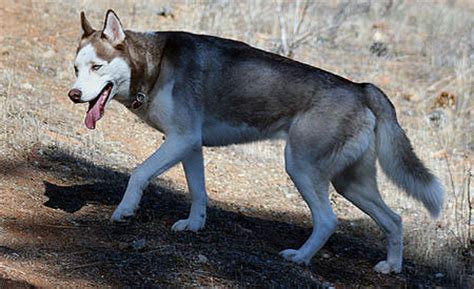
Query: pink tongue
x=95 y=113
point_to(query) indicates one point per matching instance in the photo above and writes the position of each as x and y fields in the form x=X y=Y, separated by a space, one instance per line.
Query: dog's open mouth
x=97 y=106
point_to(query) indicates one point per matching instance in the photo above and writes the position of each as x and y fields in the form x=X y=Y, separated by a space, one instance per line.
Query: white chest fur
x=160 y=111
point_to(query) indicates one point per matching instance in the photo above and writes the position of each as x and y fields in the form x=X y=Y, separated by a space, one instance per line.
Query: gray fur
x=210 y=91
x=397 y=157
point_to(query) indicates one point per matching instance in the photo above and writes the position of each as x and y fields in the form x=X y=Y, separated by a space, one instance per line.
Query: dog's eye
x=76 y=71
x=96 y=67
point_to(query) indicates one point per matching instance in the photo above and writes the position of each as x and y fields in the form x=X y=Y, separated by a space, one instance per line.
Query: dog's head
x=102 y=67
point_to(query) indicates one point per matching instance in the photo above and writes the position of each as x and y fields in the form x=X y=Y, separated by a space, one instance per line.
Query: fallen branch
x=92 y=264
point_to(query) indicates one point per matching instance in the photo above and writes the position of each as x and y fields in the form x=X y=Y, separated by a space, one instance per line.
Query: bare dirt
x=55 y=201
x=56 y=233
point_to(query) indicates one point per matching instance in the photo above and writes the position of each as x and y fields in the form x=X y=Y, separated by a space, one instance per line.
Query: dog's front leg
x=173 y=150
x=193 y=166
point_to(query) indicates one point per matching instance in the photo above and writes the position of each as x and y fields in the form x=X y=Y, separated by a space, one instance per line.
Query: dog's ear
x=86 y=26
x=113 y=30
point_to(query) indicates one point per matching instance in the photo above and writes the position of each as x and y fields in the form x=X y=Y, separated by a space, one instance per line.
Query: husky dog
x=202 y=90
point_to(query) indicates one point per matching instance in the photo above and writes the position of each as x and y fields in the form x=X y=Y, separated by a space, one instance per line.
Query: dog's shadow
x=159 y=199
x=72 y=198
x=242 y=248
x=104 y=186
x=93 y=184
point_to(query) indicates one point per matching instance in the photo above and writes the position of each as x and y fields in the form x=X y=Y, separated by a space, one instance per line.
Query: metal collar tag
x=140 y=99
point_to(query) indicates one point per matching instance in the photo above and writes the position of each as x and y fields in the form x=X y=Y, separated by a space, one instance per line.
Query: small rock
x=27 y=86
x=439 y=275
x=9 y=253
x=437 y=117
x=48 y=54
x=139 y=244
x=379 y=49
x=202 y=259
x=123 y=245
x=326 y=256
x=166 y=11
x=327 y=285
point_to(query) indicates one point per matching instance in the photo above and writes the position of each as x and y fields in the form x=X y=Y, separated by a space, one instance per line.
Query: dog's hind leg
x=193 y=166
x=320 y=146
x=358 y=184
x=313 y=187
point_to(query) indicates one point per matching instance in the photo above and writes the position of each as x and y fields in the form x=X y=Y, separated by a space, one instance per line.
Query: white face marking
x=91 y=81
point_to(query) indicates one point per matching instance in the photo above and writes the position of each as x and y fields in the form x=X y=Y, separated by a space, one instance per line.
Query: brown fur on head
x=86 y=26
x=112 y=42
x=109 y=42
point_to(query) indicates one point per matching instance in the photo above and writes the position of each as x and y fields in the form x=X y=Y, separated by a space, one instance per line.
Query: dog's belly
x=219 y=133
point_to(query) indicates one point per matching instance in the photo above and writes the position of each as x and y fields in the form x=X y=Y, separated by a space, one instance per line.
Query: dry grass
x=430 y=51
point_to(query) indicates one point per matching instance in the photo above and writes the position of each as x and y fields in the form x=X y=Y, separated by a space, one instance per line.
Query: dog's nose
x=75 y=95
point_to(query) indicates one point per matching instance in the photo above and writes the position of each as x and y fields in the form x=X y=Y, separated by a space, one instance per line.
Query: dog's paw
x=295 y=256
x=190 y=224
x=385 y=268
x=122 y=213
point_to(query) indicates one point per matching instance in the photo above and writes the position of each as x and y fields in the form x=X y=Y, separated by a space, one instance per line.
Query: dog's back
x=240 y=84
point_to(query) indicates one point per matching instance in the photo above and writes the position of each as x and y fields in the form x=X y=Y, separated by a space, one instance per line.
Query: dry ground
x=59 y=182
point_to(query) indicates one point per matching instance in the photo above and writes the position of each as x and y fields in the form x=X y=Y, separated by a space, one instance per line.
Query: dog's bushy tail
x=396 y=155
